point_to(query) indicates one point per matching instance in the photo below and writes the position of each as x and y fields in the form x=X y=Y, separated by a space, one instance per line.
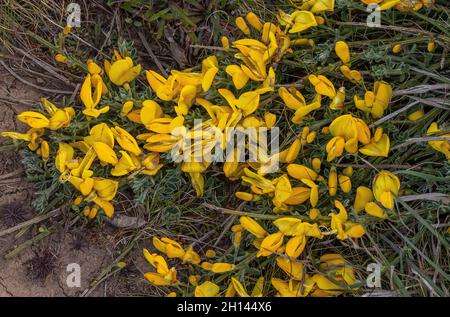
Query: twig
x=423 y=139
x=429 y=196
x=31 y=222
x=251 y=214
x=380 y=166
x=215 y=48
x=229 y=223
x=8 y=175
x=150 y=51
x=55 y=91
x=420 y=89
x=393 y=114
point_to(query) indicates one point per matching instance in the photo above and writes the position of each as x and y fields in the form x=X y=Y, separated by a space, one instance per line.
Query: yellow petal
x=252 y=226
x=374 y=210
x=34 y=119
x=105 y=153
x=295 y=246
x=270 y=244
x=299 y=172
x=363 y=196
x=207 y=289
x=342 y=51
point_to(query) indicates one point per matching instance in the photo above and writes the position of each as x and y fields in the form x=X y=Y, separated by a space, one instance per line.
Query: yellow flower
x=210 y=67
x=440 y=146
x=126 y=140
x=416 y=115
x=316 y=6
x=351 y=74
x=126 y=108
x=293 y=269
x=242 y=25
x=345 y=183
x=158 y=142
x=341 y=225
x=363 y=197
x=270 y=119
x=387 y=4
x=239 y=288
x=431 y=46
x=342 y=51
x=332 y=181
x=260 y=184
x=335 y=147
x=303 y=111
x=301 y=21
x=292 y=288
x=339 y=99
x=348 y=171
x=93 y=67
x=290 y=155
x=34 y=119
x=300 y=172
x=237 y=235
x=379 y=145
x=314 y=194
x=149 y=164
x=123 y=71
x=168 y=246
x=396 y=48
x=338 y=276
x=377 y=101
x=105 y=153
x=254 y=21
x=270 y=244
x=207 y=289
x=225 y=43
x=219 y=267
x=283 y=189
x=385 y=188
x=238 y=76
x=100 y=133
x=105 y=188
x=67 y=29
x=374 y=210
x=44 y=150
x=60 y=58
x=210 y=253
x=190 y=256
x=298 y=196
x=63 y=156
x=322 y=85
x=316 y=163
x=125 y=164
x=163 y=275
x=347 y=132
x=295 y=246
x=90 y=100
x=293 y=99
x=253 y=227
x=289 y=226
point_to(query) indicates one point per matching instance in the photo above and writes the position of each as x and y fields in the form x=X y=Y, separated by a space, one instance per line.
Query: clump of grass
x=41 y=265
x=13 y=213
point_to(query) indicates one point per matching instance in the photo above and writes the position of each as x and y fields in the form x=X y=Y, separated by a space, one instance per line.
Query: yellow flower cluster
x=112 y=144
x=174 y=250
x=401 y=5
x=319 y=284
